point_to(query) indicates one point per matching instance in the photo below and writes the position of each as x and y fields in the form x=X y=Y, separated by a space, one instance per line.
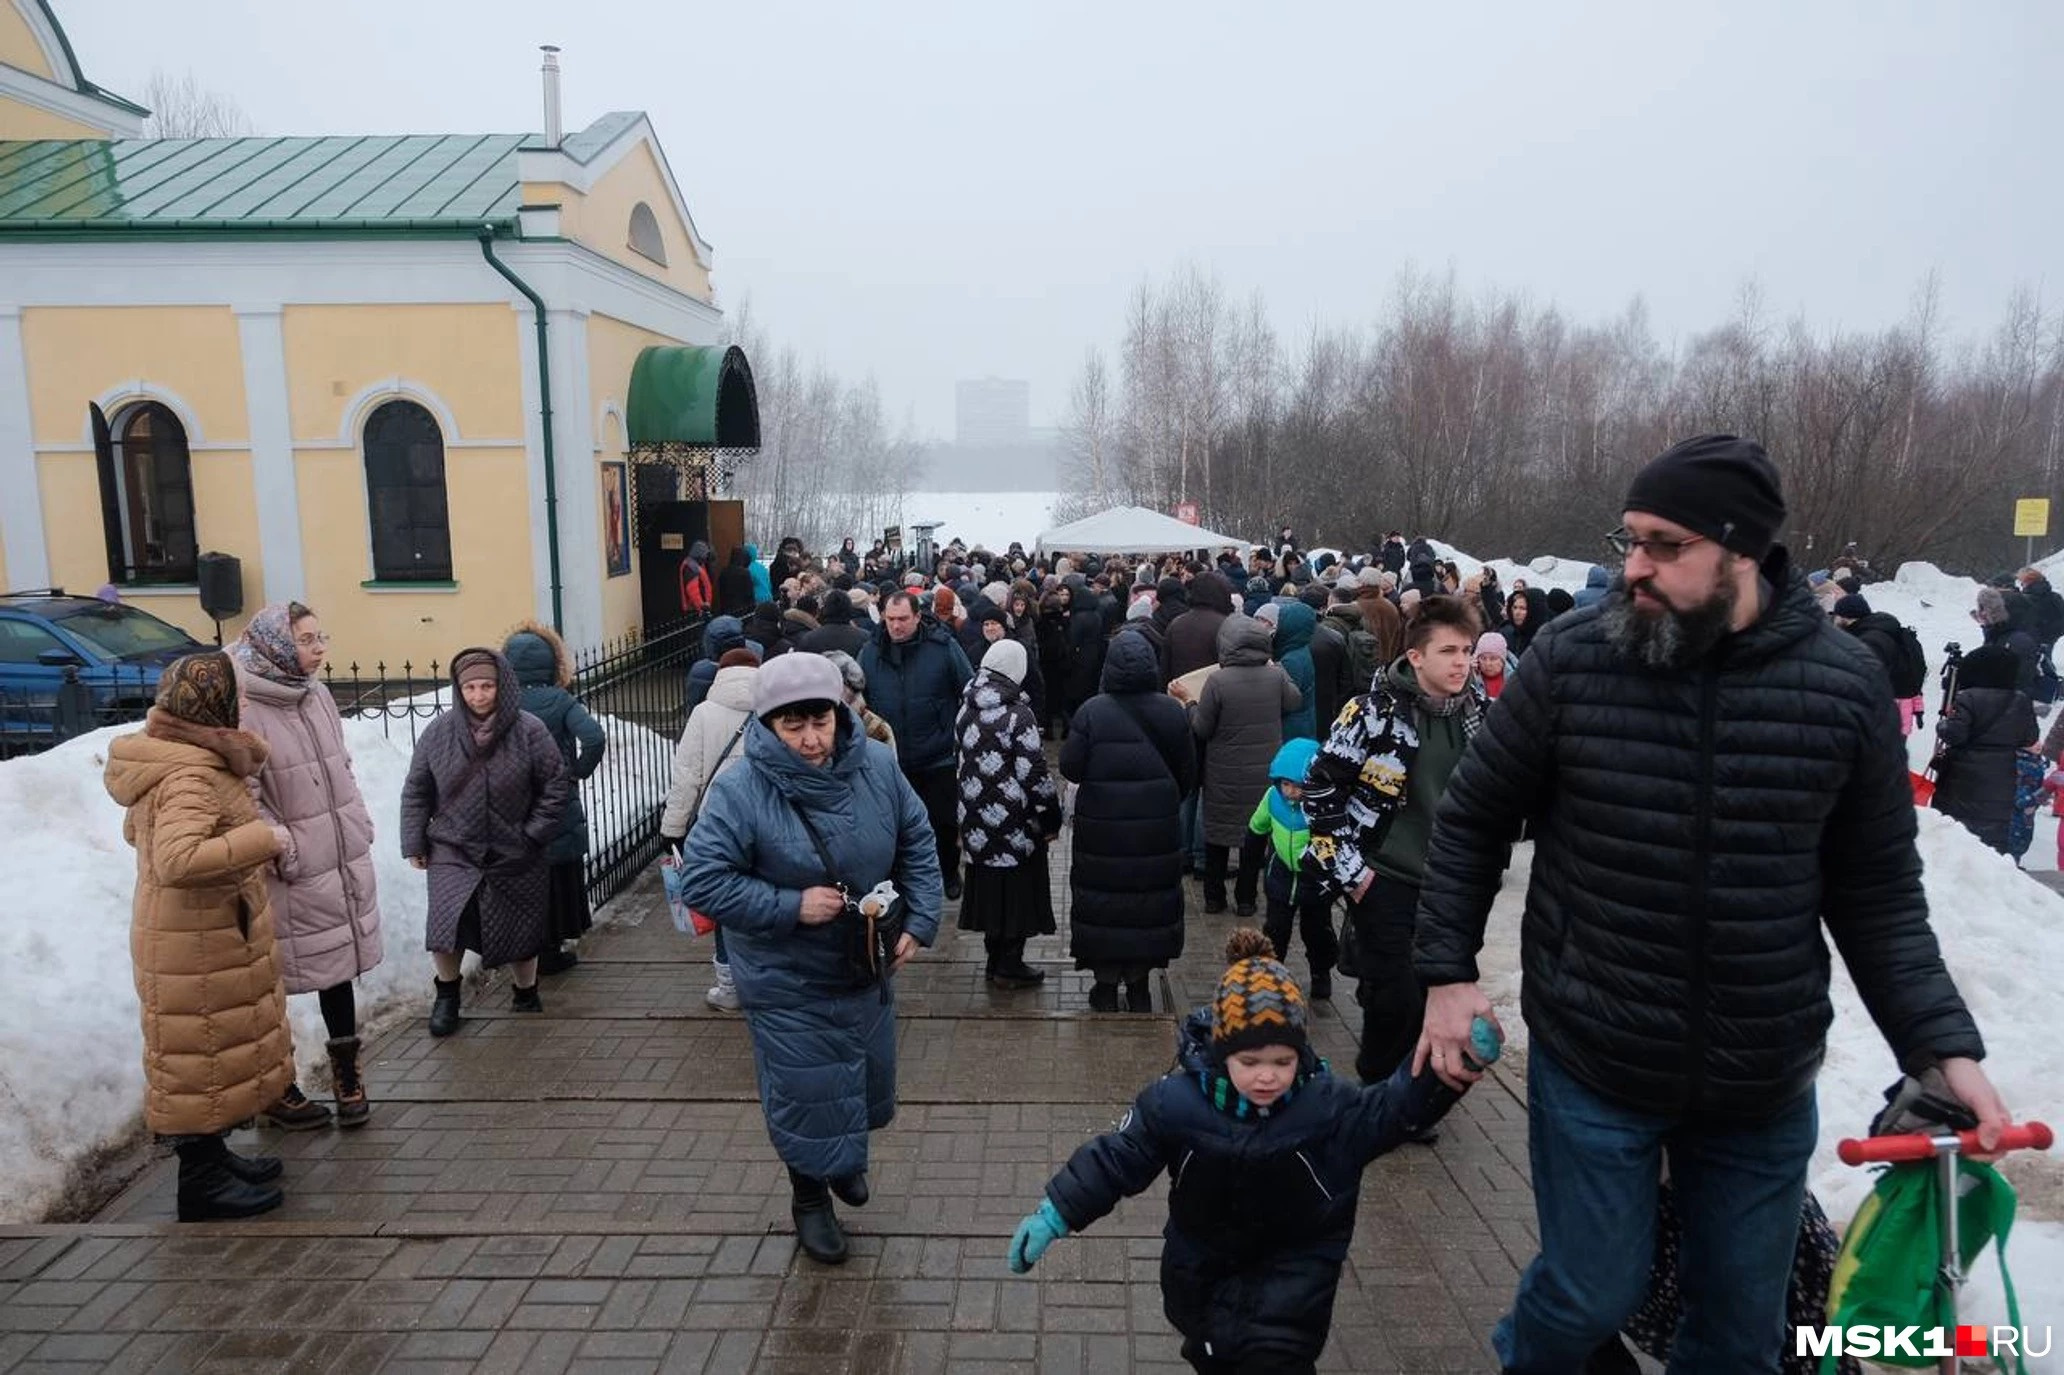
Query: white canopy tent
x=1133 y=530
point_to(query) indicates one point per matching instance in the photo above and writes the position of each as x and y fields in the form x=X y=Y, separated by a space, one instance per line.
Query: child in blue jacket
x=1280 y=816
x=1265 y=1149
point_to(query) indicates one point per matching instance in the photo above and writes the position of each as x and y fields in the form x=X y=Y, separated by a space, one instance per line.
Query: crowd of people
x=868 y=741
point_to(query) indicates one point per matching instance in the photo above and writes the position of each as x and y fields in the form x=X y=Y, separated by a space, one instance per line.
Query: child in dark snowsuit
x=1265 y=1150
x=1280 y=816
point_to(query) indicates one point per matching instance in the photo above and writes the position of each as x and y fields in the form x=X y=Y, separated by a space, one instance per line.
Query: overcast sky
x=928 y=190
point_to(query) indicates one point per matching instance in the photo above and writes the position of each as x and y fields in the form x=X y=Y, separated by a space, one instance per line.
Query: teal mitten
x=1037 y=1232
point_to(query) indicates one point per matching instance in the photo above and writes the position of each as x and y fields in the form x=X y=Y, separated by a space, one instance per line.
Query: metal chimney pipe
x=553 y=131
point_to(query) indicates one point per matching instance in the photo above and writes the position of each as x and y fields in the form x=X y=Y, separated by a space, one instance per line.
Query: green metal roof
x=395 y=183
x=688 y=394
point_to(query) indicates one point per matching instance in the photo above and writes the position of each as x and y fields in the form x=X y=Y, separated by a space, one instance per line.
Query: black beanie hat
x=1850 y=608
x=1716 y=485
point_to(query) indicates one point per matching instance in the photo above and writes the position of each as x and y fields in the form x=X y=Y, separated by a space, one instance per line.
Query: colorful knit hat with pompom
x=1258 y=1003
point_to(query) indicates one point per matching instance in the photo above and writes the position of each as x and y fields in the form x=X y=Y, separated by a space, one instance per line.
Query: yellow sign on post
x=2032 y=516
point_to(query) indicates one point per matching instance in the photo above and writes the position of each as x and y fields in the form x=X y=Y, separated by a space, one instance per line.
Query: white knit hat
x=1006 y=657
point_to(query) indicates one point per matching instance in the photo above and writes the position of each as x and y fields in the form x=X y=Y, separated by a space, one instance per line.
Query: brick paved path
x=593 y=1191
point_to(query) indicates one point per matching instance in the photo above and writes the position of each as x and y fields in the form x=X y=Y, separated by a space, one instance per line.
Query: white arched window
x=646 y=240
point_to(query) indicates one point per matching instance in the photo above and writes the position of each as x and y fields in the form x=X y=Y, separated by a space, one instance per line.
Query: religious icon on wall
x=616 y=517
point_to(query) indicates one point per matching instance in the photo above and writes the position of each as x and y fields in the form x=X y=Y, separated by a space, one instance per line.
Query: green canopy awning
x=694 y=395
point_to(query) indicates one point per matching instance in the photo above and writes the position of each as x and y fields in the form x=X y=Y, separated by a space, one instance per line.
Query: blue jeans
x=721 y=957
x=1596 y=1166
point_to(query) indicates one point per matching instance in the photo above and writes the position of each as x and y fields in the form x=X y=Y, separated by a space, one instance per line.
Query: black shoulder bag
x=867 y=940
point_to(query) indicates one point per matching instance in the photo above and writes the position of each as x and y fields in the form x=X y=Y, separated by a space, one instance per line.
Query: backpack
x=1364 y=654
x=1909 y=664
x=1886 y=1274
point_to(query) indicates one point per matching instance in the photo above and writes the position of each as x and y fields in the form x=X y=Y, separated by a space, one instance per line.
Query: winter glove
x=1922 y=1104
x=1037 y=1232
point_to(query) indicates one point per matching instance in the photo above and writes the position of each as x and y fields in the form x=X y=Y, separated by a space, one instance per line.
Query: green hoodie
x=1442 y=741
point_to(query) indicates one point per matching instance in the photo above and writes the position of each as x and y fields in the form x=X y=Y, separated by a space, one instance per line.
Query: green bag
x=1887 y=1272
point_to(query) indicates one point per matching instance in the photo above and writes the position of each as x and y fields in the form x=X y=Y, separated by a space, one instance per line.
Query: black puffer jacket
x=1694 y=831
x=1129 y=747
x=1974 y=770
x=1085 y=643
x=1261 y=1202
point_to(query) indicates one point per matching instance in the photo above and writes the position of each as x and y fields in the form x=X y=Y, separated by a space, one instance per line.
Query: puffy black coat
x=1261 y=1202
x=1085 y=644
x=1129 y=749
x=836 y=628
x=1879 y=632
x=915 y=686
x=1193 y=636
x=1330 y=669
x=2048 y=608
x=1974 y=773
x=735 y=595
x=1694 y=830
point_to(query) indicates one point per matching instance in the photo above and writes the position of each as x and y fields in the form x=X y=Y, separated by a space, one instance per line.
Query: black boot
x=444 y=1012
x=352 y=1108
x=252 y=1169
x=1103 y=997
x=207 y=1188
x=953 y=885
x=816 y=1225
x=1139 y=996
x=852 y=1188
x=526 y=1000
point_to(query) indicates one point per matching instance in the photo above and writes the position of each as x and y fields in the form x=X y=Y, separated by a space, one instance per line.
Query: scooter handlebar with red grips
x=2022 y=1136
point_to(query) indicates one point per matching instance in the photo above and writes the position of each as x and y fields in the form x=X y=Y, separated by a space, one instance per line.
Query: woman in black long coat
x=482 y=801
x=1976 y=739
x=1055 y=610
x=1009 y=812
x=1085 y=644
x=1130 y=750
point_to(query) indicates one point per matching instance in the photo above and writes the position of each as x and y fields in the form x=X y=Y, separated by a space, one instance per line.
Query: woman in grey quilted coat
x=482 y=801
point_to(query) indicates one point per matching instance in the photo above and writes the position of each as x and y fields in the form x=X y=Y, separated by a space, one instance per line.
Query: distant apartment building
x=992 y=411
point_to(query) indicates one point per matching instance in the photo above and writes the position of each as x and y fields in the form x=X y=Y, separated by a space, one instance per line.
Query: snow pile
x=71 y=1045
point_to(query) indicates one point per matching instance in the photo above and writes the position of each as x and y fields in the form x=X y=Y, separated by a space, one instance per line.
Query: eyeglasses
x=321 y=637
x=1624 y=542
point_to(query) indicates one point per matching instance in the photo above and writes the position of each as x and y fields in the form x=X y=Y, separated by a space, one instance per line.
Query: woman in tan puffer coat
x=215 y=1047
x=324 y=903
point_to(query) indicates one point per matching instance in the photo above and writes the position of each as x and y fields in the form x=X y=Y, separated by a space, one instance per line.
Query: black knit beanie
x=1716 y=485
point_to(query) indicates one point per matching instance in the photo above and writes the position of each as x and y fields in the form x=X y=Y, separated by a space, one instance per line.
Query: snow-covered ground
x=71 y=1077
x=990 y=520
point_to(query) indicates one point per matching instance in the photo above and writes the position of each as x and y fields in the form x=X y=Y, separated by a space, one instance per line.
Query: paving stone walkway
x=593 y=1191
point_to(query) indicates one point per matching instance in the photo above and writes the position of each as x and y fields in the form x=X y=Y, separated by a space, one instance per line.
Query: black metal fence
x=636 y=686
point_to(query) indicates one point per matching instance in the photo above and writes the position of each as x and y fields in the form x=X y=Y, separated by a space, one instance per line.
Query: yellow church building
x=424 y=384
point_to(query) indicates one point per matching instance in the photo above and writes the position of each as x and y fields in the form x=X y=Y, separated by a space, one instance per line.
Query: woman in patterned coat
x=482 y=801
x=1009 y=813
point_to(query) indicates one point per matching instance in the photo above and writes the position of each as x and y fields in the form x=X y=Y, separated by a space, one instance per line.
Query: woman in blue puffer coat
x=824 y=1042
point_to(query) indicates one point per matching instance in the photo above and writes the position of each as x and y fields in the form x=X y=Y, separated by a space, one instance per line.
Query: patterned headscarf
x=266 y=647
x=200 y=688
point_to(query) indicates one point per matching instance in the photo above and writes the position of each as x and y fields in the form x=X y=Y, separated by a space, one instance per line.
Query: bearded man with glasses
x=1714 y=774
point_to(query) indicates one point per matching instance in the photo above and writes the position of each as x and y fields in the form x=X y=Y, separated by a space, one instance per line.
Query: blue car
x=116 y=652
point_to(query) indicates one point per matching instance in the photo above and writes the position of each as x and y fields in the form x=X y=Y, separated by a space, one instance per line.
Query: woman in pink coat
x=324 y=904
